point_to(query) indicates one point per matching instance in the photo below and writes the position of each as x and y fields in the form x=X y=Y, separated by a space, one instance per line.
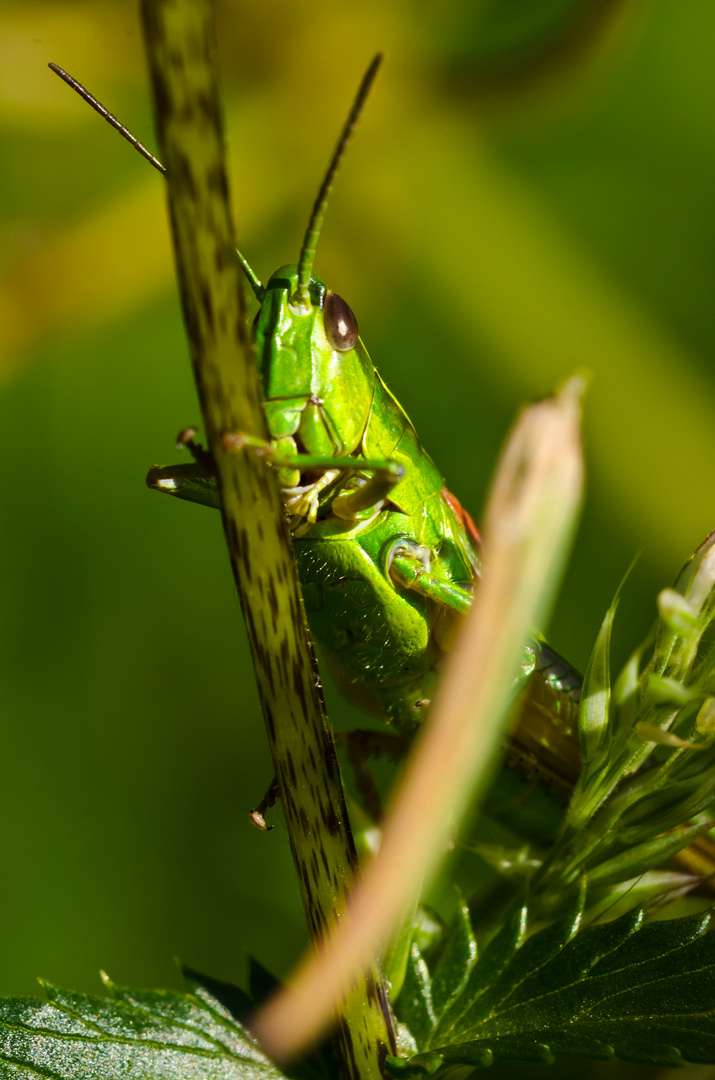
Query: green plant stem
x=181 y=45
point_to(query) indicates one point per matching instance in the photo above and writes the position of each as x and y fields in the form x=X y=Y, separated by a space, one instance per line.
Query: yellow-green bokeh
x=513 y=208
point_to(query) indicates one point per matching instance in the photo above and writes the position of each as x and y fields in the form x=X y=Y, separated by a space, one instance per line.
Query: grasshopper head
x=317 y=377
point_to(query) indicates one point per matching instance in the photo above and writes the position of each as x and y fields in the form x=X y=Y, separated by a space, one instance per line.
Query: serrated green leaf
x=428 y=929
x=455 y=963
x=536 y=953
x=421 y=1064
x=494 y=959
x=414 y=1006
x=320 y=1064
x=513 y=1048
x=427 y=1064
x=641 y=993
x=155 y=1035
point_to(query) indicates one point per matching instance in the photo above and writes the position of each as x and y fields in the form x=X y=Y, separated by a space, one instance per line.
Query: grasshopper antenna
x=141 y=149
x=301 y=297
x=112 y=120
x=258 y=290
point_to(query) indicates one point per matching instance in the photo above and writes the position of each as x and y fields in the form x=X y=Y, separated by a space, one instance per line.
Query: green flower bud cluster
x=647 y=787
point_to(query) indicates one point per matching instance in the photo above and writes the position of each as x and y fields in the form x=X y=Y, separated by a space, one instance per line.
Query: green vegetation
x=573 y=230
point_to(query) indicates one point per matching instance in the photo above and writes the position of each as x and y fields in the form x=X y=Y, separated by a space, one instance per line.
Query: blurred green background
x=530 y=192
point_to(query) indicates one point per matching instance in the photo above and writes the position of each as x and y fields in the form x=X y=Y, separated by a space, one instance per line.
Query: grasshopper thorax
x=317 y=377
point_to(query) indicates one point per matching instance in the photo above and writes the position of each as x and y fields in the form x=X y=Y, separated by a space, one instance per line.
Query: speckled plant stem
x=181 y=47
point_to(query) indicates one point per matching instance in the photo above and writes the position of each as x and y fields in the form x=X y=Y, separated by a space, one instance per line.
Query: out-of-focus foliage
x=530 y=191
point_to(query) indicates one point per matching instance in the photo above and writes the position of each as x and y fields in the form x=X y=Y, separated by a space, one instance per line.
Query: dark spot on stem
x=348 y=1055
x=175 y=59
x=299 y=686
x=207 y=306
x=270 y=721
x=162 y=96
x=273 y=603
x=185 y=177
x=330 y=820
x=217 y=183
x=283 y=658
x=270 y=678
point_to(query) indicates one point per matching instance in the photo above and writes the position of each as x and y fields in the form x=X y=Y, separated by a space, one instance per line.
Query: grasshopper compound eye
x=341 y=328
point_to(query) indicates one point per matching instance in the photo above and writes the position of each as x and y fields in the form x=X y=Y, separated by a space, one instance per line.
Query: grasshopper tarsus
x=259 y=822
x=257 y=815
x=203 y=457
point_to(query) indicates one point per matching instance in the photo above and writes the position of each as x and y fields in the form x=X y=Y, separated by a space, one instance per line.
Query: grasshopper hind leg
x=409 y=567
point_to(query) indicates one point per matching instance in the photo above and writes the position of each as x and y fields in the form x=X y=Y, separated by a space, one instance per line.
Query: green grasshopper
x=387 y=557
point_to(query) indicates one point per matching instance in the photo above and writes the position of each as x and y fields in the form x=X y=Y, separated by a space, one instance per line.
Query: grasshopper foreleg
x=369 y=496
x=360 y=499
x=386 y=473
x=202 y=456
x=304 y=501
x=194 y=482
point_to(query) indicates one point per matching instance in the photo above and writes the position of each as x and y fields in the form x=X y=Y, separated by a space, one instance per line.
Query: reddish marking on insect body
x=465 y=518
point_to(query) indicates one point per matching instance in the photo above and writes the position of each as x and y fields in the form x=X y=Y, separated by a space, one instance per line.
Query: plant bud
x=696 y=580
x=660 y=690
x=677 y=612
x=705 y=720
